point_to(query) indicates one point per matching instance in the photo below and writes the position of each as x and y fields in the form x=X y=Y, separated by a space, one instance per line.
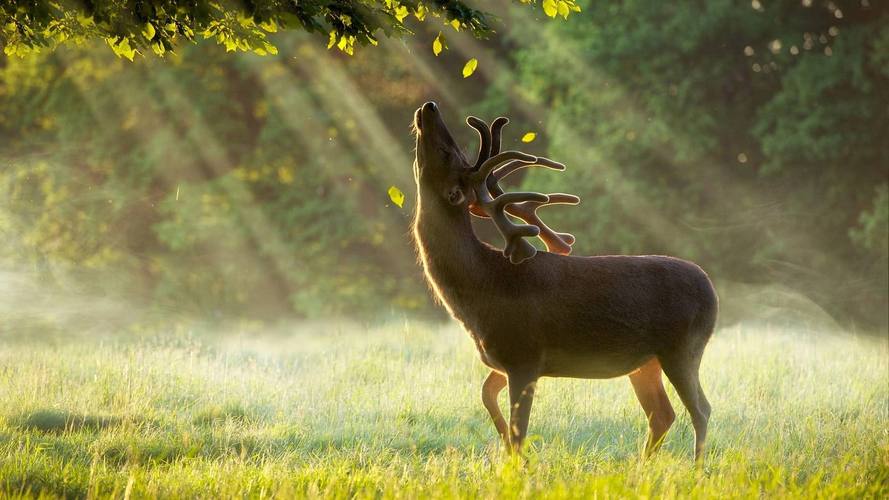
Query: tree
x=131 y=27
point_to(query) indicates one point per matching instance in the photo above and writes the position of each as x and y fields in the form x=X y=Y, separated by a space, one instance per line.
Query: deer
x=534 y=314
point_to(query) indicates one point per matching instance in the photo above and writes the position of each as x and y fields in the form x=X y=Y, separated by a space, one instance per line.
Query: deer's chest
x=503 y=352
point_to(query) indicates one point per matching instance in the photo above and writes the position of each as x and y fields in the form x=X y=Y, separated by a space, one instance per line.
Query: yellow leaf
x=469 y=68
x=420 y=14
x=269 y=26
x=396 y=196
x=550 y=8
x=438 y=44
x=563 y=9
x=530 y=136
x=148 y=31
x=401 y=12
x=455 y=23
x=332 y=39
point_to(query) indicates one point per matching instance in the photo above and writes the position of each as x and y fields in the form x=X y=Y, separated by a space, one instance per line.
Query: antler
x=492 y=202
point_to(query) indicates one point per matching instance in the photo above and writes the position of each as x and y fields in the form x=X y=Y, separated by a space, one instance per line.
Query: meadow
x=394 y=412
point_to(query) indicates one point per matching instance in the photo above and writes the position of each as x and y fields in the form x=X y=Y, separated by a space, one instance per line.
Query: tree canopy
x=131 y=27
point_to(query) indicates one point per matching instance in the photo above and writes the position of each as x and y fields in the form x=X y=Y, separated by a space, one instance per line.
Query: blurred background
x=750 y=137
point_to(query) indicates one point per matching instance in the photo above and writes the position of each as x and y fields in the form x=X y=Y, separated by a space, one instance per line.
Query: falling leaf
x=177 y=192
x=469 y=68
x=529 y=137
x=396 y=196
x=439 y=44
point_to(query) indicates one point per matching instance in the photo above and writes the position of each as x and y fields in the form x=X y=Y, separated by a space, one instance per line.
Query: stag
x=547 y=314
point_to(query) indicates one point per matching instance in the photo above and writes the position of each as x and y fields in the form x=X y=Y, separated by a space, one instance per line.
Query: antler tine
x=484 y=136
x=511 y=167
x=496 y=129
x=517 y=249
x=559 y=243
x=481 y=175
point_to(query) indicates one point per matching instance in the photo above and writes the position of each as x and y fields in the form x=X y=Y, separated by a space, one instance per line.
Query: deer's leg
x=521 y=394
x=683 y=374
x=495 y=383
x=649 y=388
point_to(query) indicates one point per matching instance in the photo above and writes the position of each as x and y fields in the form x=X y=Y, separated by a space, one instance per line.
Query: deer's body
x=584 y=317
x=558 y=315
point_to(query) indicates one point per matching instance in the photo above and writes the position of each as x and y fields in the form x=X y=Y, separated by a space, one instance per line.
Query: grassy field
x=396 y=412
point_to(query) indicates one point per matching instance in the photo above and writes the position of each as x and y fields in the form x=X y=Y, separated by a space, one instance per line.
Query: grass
x=396 y=412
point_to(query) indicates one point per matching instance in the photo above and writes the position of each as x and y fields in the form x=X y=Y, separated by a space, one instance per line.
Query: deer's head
x=443 y=173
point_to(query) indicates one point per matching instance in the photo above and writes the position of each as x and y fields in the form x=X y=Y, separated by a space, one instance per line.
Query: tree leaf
x=529 y=137
x=396 y=196
x=148 y=31
x=401 y=12
x=550 y=8
x=439 y=44
x=469 y=68
x=421 y=12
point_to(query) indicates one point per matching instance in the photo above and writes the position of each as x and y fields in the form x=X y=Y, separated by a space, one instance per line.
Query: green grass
x=396 y=412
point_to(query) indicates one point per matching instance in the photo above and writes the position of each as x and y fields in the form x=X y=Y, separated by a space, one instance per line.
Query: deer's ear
x=455 y=195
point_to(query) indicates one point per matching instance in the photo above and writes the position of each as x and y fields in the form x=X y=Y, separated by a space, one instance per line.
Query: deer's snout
x=425 y=116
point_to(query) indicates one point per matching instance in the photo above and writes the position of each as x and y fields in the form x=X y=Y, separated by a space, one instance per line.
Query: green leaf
x=469 y=68
x=396 y=196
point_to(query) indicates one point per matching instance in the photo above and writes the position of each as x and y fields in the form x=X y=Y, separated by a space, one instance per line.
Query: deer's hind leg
x=649 y=387
x=683 y=374
x=495 y=383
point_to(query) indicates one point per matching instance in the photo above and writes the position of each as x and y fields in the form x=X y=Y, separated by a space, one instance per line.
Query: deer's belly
x=560 y=363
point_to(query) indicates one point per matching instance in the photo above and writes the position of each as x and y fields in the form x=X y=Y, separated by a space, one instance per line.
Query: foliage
x=747 y=137
x=133 y=27
x=394 y=413
x=251 y=212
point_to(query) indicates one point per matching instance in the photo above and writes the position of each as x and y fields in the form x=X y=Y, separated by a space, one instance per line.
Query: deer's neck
x=452 y=257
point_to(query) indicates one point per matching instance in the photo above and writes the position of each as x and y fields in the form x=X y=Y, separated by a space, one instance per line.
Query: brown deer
x=548 y=314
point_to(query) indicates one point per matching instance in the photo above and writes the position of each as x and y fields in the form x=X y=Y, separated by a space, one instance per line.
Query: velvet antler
x=492 y=202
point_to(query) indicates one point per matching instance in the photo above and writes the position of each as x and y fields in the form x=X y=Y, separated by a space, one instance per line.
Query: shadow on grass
x=64 y=421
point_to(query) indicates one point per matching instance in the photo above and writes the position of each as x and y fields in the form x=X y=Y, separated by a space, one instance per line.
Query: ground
x=395 y=411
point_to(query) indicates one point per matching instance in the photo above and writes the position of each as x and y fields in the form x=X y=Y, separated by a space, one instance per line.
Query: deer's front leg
x=521 y=395
x=495 y=383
